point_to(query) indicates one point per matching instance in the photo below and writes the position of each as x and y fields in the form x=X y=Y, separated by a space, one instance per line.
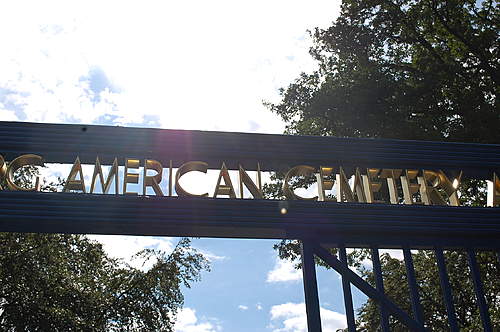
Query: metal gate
x=415 y=321
x=319 y=225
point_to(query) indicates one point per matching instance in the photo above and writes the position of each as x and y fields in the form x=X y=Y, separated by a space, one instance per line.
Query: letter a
x=105 y=185
x=226 y=188
x=71 y=182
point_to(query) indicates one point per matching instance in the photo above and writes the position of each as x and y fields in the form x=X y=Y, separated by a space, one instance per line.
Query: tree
x=57 y=282
x=426 y=70
x=402 y=69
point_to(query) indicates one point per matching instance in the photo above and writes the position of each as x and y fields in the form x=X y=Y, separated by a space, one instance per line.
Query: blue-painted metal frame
x=478 y=288
x=446 y=289
x=366 y=288
x=379 y=282
x=310 y=287
x=352 y=224
x=61 y=143
x=346 y=290
x=319 y=225
x=387 y=306
x=412 y=283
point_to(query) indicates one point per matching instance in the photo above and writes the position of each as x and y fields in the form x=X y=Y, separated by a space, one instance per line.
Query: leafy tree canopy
x=402 y=69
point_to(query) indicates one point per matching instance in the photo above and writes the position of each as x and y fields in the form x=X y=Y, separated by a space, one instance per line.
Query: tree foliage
x=57 y=282
x=402 y=69
x=405 y=69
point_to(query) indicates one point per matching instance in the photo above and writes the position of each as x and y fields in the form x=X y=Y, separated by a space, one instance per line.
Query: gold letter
x=325 y=182
x=409 y=188
x=391 y=175
x=449 y=187
x=183 y=169
x=430 y=195
x=245 y=179
x=113 y=171
x=24 y=160
x=130 y=177
x=303 y=170
x=370 y=186
x=344 y=192
x=3 y=170
x=494 y=191
x=71 y=182
x=227 y=187
x=170 y=170
x=152 y=180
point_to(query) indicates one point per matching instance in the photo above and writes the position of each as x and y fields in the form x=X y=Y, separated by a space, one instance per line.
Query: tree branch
x=472 y=49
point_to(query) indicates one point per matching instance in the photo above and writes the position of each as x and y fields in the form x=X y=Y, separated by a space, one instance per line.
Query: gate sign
x=418 y=182
x=433 y=187
x=431 y=176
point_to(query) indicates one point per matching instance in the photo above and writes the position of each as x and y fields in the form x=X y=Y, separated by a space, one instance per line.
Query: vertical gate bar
x=412 y=282
x=379 y=284
x=445 y=286
x=346 y=287
x=310 y=288
x=498 y=257
x=478 y=288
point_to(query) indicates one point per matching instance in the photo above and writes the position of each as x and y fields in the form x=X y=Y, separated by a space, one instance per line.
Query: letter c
x=199 y=166
x=24 y=160
x=303 y=170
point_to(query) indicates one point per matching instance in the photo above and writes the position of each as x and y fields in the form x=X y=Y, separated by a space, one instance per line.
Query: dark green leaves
x=401 y=69
x=68 y=283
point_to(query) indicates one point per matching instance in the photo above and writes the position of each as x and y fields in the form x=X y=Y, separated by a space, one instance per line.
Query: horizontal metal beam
x=61 y=143
x=331 y=223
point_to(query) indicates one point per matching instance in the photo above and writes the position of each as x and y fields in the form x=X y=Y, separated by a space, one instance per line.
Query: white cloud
x=291 y=317
x=284 y=271
x=7 y=115
x=394 y=253
x=125 y=247
x=258 y=306
x=243 y=307
x=187 y=321
x=190 y=65
x=310 y=192
x=211 y=256
x=368 y=263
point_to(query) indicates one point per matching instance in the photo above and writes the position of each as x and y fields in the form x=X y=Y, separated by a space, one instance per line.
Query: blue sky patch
x=98 y=82
x=10 y=104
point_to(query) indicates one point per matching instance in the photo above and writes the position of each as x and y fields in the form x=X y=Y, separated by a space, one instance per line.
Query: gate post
x=310 y=288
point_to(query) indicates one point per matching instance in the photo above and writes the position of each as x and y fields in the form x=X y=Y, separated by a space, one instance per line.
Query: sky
x=205 y=65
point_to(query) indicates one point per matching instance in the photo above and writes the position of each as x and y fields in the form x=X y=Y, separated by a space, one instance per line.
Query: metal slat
x=346 y=288
x=446 y=288
x=61 y=143
x=355 y=224
x=310 y=288
x=412 y=283
x=478 y=288
x=9 y=129
x=379 y=282
x=306 y=149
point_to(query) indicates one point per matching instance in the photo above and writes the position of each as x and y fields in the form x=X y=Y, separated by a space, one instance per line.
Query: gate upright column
x=310 y=288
